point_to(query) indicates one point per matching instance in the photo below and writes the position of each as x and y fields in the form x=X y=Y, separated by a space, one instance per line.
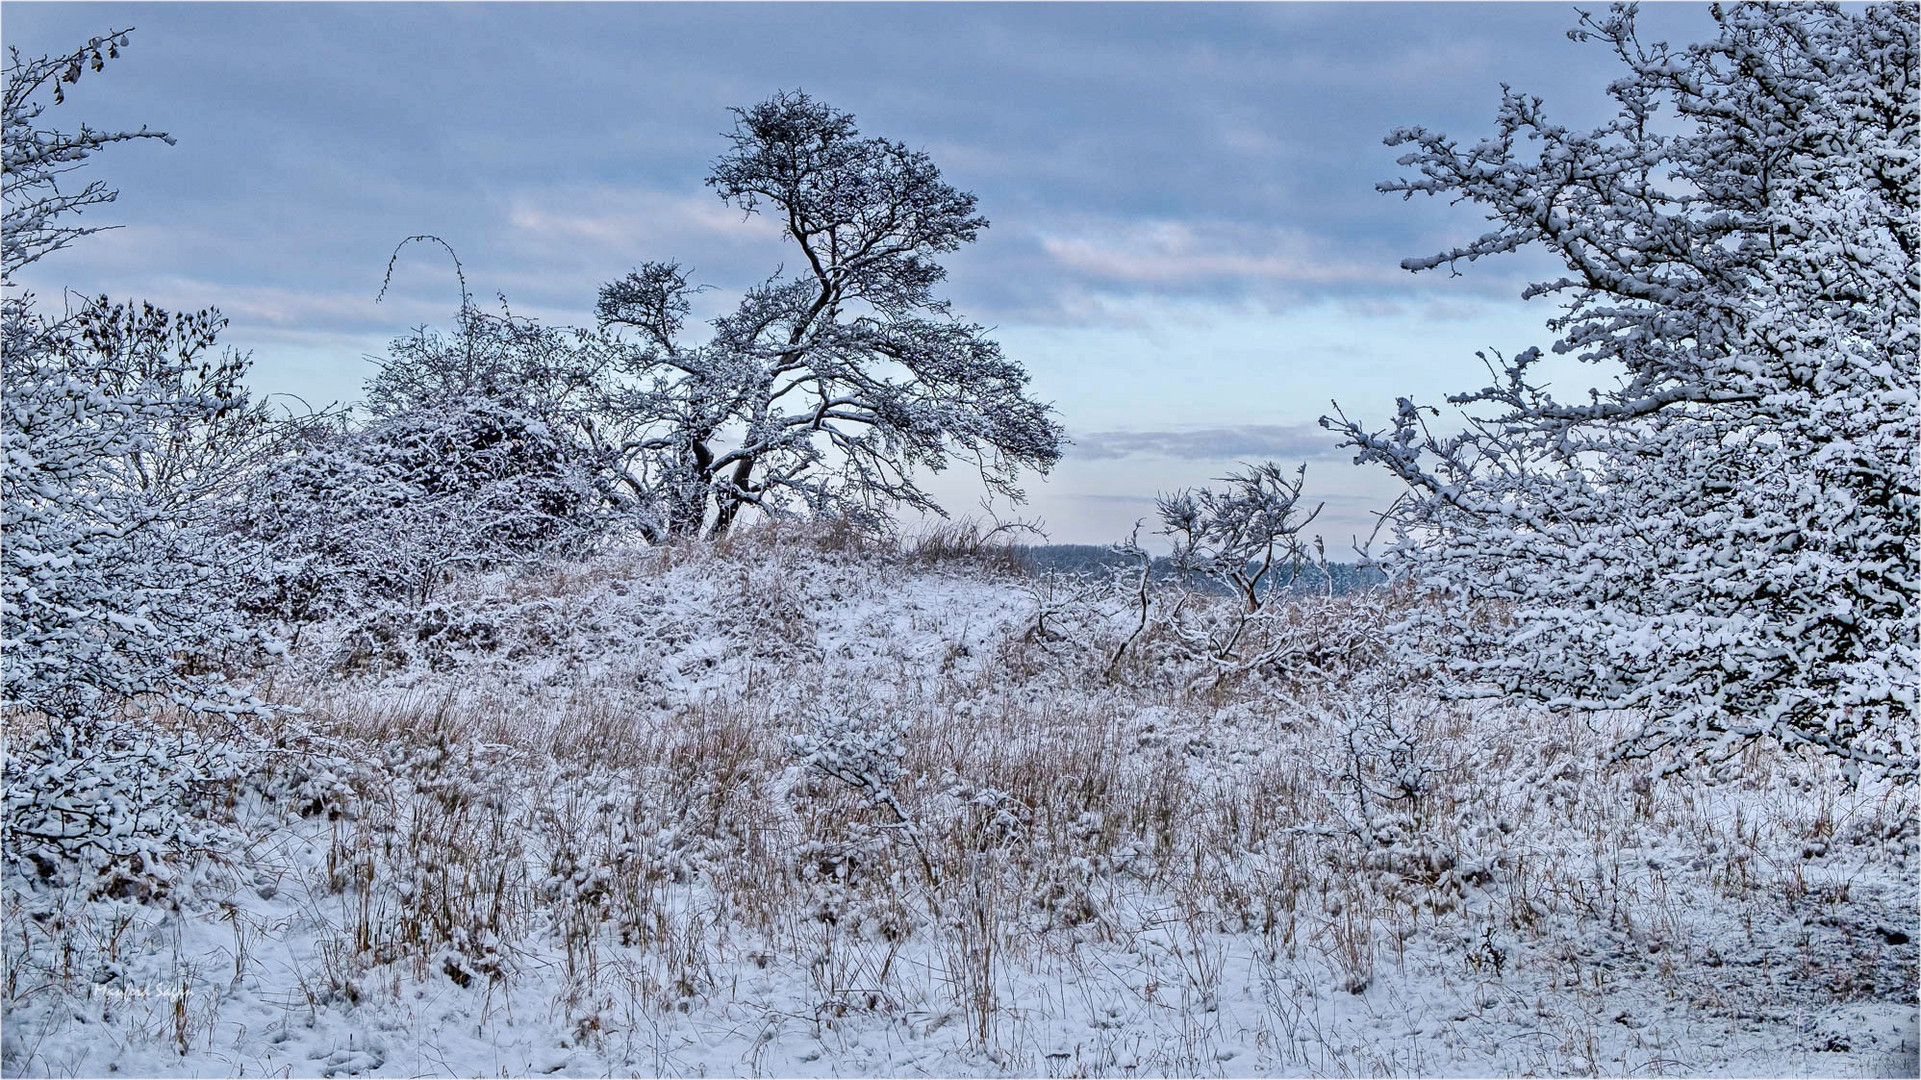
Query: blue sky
x=1186 y=250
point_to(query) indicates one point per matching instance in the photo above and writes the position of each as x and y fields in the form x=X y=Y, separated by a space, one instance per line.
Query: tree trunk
x=687 y=493
x=730 y=503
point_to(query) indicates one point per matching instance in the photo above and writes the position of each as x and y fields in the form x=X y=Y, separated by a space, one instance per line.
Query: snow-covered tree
x=124 y=430
x=828 y=390
x=117 y=423
x=1724 y=539
x=1246 y=536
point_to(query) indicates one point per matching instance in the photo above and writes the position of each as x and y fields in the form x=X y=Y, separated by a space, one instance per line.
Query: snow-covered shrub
x=118 y=580
x=865 y=753
x=115 y=796
x=1725 y=541
x=558 y=375
x=1242 y=534
x=1181 y=631
x=543 y=391
x=125 y=432
x=478 y=453
x=1382 y=753
x=391 y=509
x=1226 y=605
x=123 y=427
x=1244 y=540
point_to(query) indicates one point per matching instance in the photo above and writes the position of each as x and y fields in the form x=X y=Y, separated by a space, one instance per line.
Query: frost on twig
x=865 y=754
x=1724 y=540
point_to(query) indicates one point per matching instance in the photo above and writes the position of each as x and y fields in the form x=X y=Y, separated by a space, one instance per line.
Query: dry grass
x=969 y=543
x=1311 y=828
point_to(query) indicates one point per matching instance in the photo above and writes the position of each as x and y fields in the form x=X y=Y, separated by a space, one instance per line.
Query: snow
x=794 y=802
x=1722 y=535
x=1534 y=912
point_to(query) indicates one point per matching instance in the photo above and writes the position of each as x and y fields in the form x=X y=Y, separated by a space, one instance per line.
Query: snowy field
x=789 y=807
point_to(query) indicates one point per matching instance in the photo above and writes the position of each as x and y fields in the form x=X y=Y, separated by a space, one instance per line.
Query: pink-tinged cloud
x=1176 y=253
x=655 y=222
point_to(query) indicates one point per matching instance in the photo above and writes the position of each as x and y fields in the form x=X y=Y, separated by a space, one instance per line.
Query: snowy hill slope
x=797 y=808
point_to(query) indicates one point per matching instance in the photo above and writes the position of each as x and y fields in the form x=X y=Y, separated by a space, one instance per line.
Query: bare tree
x=825 y=392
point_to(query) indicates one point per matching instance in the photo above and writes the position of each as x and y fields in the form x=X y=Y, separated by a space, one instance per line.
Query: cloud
x=1245 y=441
x=1161 y=253
x=632 y=220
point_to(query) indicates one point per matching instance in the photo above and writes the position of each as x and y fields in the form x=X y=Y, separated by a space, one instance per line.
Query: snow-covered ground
x=791 y=809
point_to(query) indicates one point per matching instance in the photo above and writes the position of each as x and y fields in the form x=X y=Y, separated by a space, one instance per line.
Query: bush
x=391 y=509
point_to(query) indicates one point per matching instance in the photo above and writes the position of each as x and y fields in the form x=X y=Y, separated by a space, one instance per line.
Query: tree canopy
x=1725 y=539
x=828 y=390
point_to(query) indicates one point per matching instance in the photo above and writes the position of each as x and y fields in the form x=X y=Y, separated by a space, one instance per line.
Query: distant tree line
x=1093 y=559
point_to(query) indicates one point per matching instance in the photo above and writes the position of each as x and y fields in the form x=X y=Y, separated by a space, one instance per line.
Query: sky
x=1186 y=251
